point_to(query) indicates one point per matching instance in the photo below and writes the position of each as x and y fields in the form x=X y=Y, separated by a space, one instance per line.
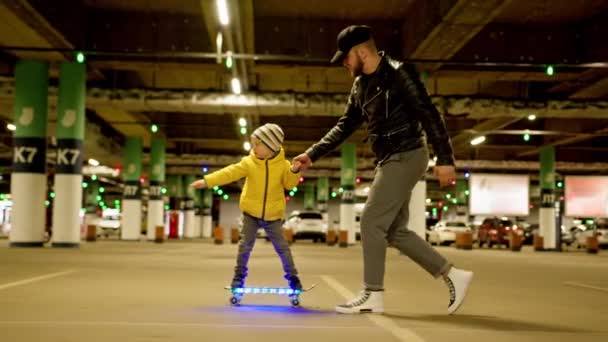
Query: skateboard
x=294 y=295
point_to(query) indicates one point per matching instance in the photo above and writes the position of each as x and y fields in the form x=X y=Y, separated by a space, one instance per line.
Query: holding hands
x=302 y=161
x=295 y=166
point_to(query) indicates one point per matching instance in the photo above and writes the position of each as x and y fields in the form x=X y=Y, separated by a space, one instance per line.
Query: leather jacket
x=398 y=112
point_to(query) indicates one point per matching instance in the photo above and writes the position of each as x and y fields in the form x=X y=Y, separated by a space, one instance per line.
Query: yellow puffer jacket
x=263 y=194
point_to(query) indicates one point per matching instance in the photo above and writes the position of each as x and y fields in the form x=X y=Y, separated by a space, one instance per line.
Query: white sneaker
x=458 y=282
x=366 y=302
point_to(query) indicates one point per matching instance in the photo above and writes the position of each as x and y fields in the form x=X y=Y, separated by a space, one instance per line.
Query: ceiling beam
x=539 y=44
x=597 y=90
x=584 y=80
x=463 y=139
x=444 y=34
x=243 y=13
x=564 y=141
x=130 y=124
x=26 y=27
x=30 y=28
x=505 y=75
x=313 y=39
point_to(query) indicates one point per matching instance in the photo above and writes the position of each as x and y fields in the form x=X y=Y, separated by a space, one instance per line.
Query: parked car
x=445 y=232
x=109 y=223
x=307 y=225
x=600 y=231
x=496 y=231
x=569 y=234
x=529 y=231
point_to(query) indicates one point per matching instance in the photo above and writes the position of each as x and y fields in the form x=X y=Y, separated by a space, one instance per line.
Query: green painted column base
x=26 y=244
x=65 y=245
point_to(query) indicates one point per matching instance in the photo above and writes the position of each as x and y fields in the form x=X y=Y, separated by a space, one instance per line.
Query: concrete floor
x=140 y=291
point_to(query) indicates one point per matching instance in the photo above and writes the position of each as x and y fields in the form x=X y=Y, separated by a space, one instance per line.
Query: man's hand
x=303 y=160
x=445 y=174
x=295 y=166
x=199 y=184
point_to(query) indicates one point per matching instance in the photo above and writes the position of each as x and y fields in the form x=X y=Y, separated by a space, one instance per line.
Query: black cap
x=349 y=37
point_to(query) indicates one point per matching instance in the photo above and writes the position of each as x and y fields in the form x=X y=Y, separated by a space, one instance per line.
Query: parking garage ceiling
x=485 y=64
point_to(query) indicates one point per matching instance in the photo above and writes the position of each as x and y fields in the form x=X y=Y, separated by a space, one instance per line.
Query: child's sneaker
x=294 y=282
x=238 y=281
x=458 y=282
x=366 y=302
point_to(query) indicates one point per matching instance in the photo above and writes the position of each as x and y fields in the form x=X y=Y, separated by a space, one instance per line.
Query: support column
x=207 y=198
x=417 y=208
x=28 y=179
x=181 y=204
x=548 y=229
x=198 y=213
x=91 y=193
x=157 y=181
x=309 y=196
x=461 y=200
x=347 y=180
x=189 y=227
x=131 y=204
x=323 y=197
x=68 y=170
x=173 y=213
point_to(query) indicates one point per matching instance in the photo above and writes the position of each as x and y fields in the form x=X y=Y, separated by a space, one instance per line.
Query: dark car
x=496 y=231
x=529 y=232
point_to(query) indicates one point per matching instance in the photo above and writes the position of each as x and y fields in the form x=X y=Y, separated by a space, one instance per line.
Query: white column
x=155 y=217
x=131 y=219
x=417 y=210
x=347 y=221
x=189 y=230
x=207 y=226
x=66 y=210
x=547 y=227
x=28 y=215
x=198 y=226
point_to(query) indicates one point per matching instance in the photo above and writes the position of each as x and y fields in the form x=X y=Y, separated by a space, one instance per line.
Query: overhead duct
x=328 y=104
x=205 y=102
x=190 y=161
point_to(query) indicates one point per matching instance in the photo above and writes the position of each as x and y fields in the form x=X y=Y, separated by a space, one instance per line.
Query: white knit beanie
x=270 y=135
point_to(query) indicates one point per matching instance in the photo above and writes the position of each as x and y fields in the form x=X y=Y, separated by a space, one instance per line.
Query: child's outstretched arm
x=199 y=184
x=227 y=175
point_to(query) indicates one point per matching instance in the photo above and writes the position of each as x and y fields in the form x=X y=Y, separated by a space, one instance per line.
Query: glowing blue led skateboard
x=294 y=295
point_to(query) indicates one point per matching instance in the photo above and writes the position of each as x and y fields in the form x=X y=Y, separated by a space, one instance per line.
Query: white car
x=109 y=223
x=307 y=225
x=601 y=231
x=445 y=232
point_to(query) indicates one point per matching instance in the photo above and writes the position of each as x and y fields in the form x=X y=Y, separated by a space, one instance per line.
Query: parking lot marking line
x=34 y=279
x=179 y=324
x=402 y=334
x=597 y=288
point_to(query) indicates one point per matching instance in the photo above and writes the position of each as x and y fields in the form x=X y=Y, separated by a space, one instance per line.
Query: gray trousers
x=385 y=216
x=274 y=230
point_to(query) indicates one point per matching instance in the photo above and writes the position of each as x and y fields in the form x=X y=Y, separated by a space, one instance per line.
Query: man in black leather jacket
x=400 y=117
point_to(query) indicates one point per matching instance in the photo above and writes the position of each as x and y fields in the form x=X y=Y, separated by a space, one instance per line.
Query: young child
x=267 y=173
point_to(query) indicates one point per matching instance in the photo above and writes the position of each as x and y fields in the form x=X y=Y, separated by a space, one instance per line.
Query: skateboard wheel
x=295 y=302
x=234 y=300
